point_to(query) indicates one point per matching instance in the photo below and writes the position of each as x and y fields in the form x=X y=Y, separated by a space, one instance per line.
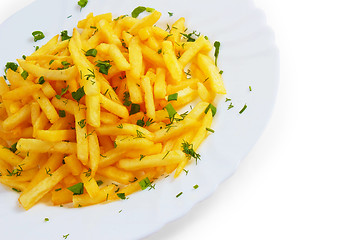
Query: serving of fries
x=97 y=116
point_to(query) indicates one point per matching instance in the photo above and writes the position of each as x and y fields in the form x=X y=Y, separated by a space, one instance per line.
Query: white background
x=302 y=178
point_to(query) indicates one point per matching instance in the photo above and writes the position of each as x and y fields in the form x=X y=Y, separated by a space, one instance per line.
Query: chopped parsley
x=126 y=99
x=210 y=130
x=173 y=97
x=77 y=189
x=180 y=193
x=135 y=108
x=46 y=219
x=64 y=35
x=78 y=94
x=196 y=186
x=13 y=66
x=41 y=80
x=16 y=190
x=243 y=109
x=38 y=35
x=82 y=3
x=62 y=113
x=104 y=66
x=171 y=111
x=145 y=183
x=63 y=91
x=121 y=196
x=91 y=52
x=170 y=14
x=24 y=75
x=250 y=88
x=188 y=149
x=65 y=236
x=82 y=123
x=217 y=48
x=99 y=182
x=137 y=11
x=65 y=64
x=213 y=109
x=230 y=106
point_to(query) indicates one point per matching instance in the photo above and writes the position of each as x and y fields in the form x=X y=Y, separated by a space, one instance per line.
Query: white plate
x=248 y=57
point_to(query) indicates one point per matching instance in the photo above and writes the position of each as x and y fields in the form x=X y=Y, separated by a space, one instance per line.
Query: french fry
x=135 y=57
x=171 y=157
x=81 y=135
x=74 y=164
x=36 y=145
x=148 y=96
x=147 y=21
x=171 y=61
x=86 y=200
x=46 y=106
x=116 y=174
x=94 y=152
x=10 y=157
x=54 y=75
x=114 y=107
x=207 y=65
x=125 y=129
x=56 y=135
x=31 y=197
x=17 y=118
x=21 y=92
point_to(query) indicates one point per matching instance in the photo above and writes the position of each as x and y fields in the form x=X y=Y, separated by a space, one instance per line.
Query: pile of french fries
x=103 y=106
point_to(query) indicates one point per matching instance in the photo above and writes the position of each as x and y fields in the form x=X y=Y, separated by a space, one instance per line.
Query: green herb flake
x=64 y=35
x=173 y=97
x=104 y=66
x=16 y=190
x=46 y=219
x=65 y=236
x=99 y=182
x=196 y=186
x=63 y=91
x=136 y=12
x=250 y=88
x=217 y=49
x=38 y=35
x=135 y=108
x=91 y=52
x=171 y=111
x=243 y=109
x=180 y=193
x=82 y=3
x=77 y=189
x=78 y=94
x=58 y=189
x=51 y=61
x=145 y=183
x=62 y=113
x=188 y=149
x=24 y=57
x=150 y=10
x=65 y=64
x=227 y=100
x=213 y=109
x=210 y=130
x=11 y=65
x=24 y=75
x=82 y=123
x=126 y=99
x=41 y=80
x=121 y=196
x=170 y=14
x=230 y=106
